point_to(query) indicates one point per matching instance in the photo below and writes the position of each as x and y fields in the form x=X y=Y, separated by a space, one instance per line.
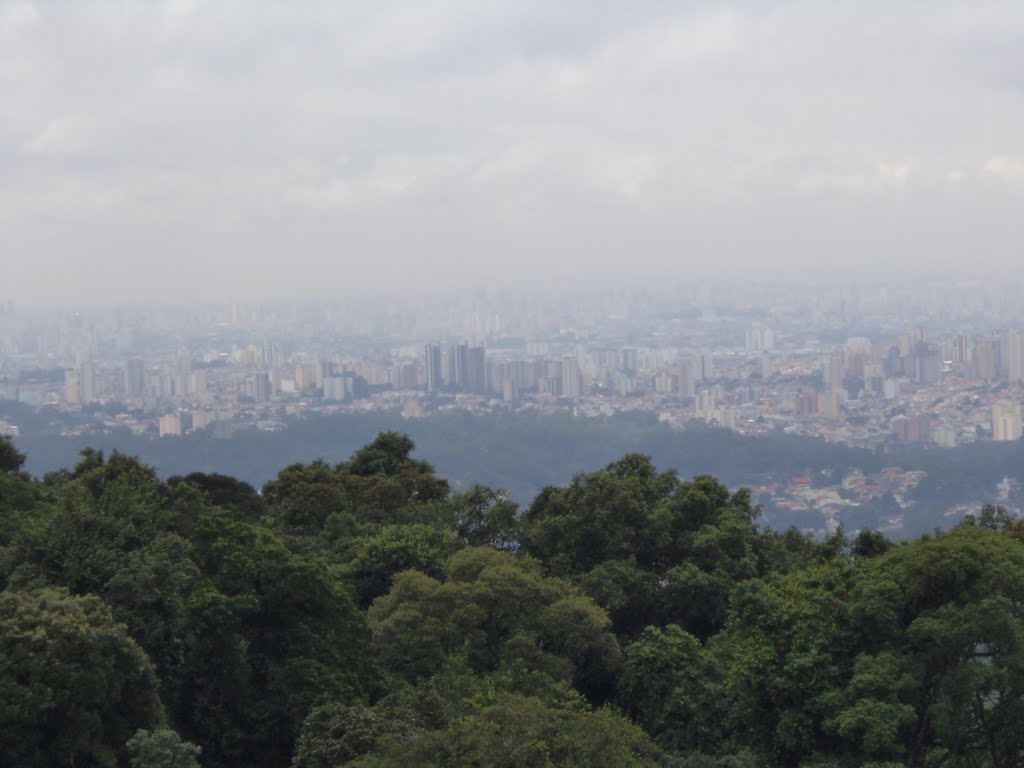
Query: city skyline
x=866 y=366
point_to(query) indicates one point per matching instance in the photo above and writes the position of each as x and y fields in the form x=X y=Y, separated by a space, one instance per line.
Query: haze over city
x=184 y=151
x=618 y=384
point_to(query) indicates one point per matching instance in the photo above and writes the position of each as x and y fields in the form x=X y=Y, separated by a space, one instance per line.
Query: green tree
x=387 y=485
x=271 y=633
x=494 y=609
x=386 y=455
x=608 y=515
x=335 y=734
x=788 y=645
x=512 y=731
x=11 y=459
x=396 y=548
x=941 y=676
x=226 y=492
x=304 y=496
x=161 y=748
x=73 y=685
x=149 y=593
x=672 y=549
x=482 y=516
x=670 y=687
x=19 y=500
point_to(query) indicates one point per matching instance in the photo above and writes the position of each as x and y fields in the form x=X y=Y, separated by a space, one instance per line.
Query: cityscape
x=868 y=366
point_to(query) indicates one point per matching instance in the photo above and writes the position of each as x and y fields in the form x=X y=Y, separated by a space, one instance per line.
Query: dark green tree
x=396 y=548
x=494 y=610
x=74 y=687
x=670 y=687
x=788 y=645
x=941 y=676
x=482 y=516
x=272 y=633
x=161 y=748
x=11 y=459
x=651 y=549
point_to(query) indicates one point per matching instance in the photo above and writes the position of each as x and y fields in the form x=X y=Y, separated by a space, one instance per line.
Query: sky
x=193 y=151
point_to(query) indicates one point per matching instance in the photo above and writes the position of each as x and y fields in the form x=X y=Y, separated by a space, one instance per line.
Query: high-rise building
x=87 y=383
x=760 y=338
x=72 y=393
x=1011 y=355
x=509 y=390
x=335 y=389
x=405 y=376
x=170 y=425
x=686 y=378
x=829 y=404
x=195 y=383
x=570 y=377
x=926 y=363
x=1006 y=421
x=873 y=378
x=476 y=370
x=263 y=391
x=666 y=383
x=134 y=377
x=893 y=364
x=835 y=371
x=984 y=359
x=456 y=363
x=960 y=349
x=630 y=359
x=705 y=366
x=433 y=367
x=706 y=404
x=308 y=377
x=201 y=420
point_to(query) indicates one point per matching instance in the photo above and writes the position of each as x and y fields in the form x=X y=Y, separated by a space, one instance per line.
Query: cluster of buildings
x=867 y=368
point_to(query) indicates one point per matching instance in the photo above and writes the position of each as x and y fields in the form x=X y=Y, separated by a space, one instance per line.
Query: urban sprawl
x=866 y=366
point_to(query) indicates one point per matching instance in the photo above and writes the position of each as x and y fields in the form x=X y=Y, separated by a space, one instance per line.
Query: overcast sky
x=201 y=150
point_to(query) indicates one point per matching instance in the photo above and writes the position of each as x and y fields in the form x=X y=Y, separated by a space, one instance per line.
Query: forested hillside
x=525 y=452
x=366 y=614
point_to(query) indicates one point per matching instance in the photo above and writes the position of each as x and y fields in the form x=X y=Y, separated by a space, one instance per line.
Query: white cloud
x=62 y=134
x=506 y=136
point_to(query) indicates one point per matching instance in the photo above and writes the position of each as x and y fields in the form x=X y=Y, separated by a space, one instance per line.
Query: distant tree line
x=524 y=452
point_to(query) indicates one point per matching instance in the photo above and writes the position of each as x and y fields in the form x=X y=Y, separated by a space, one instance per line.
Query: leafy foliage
x=364 y=614
x=73 y=685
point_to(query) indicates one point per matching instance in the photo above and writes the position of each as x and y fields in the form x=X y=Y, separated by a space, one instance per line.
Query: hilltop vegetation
x=364 y=613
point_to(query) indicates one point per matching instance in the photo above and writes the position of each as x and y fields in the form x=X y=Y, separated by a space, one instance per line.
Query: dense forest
x=366 y=613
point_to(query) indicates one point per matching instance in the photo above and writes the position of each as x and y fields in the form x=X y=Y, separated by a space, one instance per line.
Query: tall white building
x=72 y=392
x=1011 y=355
x=134 y=377
x=760 y=338
x=687 y=384
x=170 y=425
x=87 y=383
x=571 y=377
x=433 y=367
x=1006 y=421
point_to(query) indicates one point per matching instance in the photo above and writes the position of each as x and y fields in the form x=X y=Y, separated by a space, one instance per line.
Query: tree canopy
x=367 y=614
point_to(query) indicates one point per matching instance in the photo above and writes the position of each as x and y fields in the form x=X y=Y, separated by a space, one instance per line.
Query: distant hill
x=524 y=452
